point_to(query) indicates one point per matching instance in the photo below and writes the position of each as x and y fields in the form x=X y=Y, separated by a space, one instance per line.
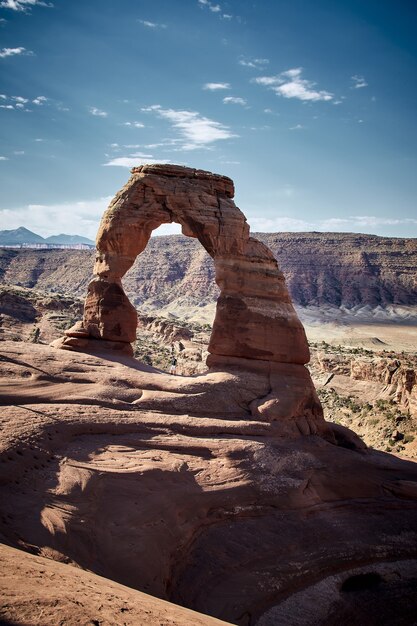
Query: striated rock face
x=256 y=327
x=320 y=269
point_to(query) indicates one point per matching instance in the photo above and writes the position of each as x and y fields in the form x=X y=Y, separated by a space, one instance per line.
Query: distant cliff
x=336 y=269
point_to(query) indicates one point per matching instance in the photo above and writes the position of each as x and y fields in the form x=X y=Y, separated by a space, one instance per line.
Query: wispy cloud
x=11 y=52
x=21 y=103
x=13 y=102
x=77 y=217
x=196 y=130
x=23 y=5
x=290 y=84
x=297 y=127
x=358 y=82
x=149 y=24
x=3 y=158
x=277 y=224
x=353 y=223
x=234 y=100
x=134 y=124
x=253 y=63
x=372 y=220
x=40 y=100
x=214 y=8
x=133 y=161
x=216 y=86
x=97 y=112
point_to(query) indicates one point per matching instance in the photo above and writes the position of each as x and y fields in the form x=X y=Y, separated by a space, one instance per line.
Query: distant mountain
x=19 y=235
x=68 y=239
x=24 y=236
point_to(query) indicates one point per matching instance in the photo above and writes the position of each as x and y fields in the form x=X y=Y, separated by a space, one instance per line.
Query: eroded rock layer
x=169 y=485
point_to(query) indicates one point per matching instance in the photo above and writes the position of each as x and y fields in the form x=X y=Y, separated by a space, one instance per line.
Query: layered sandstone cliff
x=321 y=269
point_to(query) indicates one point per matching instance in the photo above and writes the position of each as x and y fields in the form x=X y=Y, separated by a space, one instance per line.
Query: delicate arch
x=255 y=318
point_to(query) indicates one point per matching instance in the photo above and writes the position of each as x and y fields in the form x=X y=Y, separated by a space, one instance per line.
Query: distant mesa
x=23 y=237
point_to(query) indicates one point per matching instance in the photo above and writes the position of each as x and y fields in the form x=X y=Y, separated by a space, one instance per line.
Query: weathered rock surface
x=256 y=328
x=171 y=486
x=255 y=318
x=38 y=591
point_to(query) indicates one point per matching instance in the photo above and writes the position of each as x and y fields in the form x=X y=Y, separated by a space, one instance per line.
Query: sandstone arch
x=255 y=318
x=257 y=336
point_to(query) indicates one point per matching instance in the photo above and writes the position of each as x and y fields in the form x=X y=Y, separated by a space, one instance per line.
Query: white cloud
x=79 y=217
x=97 y=112
x=358 y=82
x=214 y=8
x=216 y=86
x=25 y=104
x=40 y=100
x=296 y=127
x=277 y=224
x=353 y=223
x=18 y=152
x=372 y=220
x=3 y=158
x=254 y=63
x=23 y=5
x=133 y=161
x=196 y=130
x=289 y=84
x=134 y=124
x=10 y=52
x=152 y=24
x=233 y=100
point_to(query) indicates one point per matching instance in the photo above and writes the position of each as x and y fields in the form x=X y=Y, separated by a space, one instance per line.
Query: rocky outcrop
x=169 y=485
x=256 y=327
x=398 y=378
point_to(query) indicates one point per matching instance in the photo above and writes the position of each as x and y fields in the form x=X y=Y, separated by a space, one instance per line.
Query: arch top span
x=255 y=319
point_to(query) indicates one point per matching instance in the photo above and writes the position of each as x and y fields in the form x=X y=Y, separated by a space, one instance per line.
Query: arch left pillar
x=109 y=319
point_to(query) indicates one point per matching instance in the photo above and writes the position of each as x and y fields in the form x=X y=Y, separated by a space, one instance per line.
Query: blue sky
x=309 y=106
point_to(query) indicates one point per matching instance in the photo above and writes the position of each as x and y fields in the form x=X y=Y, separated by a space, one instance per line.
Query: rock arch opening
x=255 y=319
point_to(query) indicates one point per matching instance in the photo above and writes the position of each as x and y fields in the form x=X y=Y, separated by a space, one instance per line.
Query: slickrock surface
x=170 y=485
x=226 y=492
x=37 y=591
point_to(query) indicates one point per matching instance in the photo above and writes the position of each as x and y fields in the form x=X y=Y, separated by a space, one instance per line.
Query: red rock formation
x=168 y=485
x=256 y=326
